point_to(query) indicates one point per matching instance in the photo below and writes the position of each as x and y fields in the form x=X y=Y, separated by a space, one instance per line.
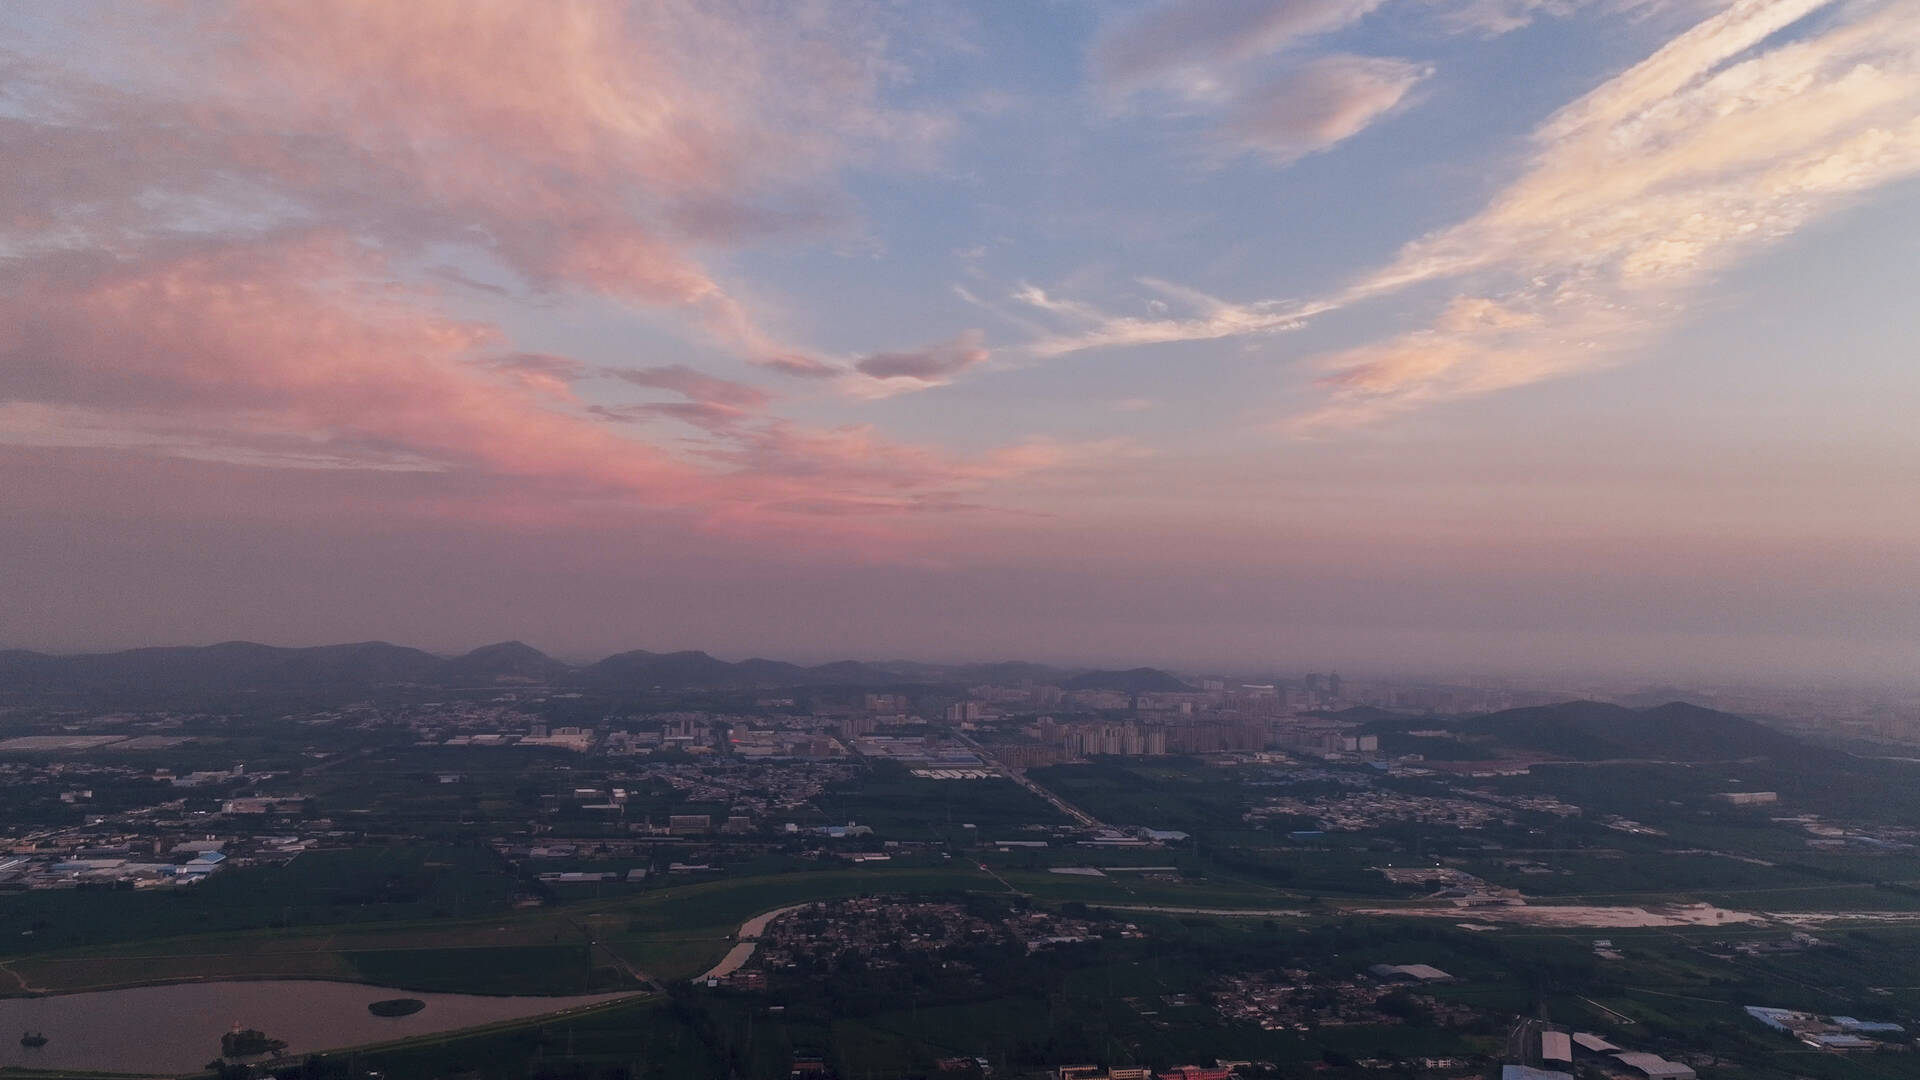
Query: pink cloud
x=213 y=254
x=285 y=356
x=288 y=339
x=596 y=142
x=696 y=385
x=541 y=372
x=710 y=415
x=582 y=144
x=931 y=364
x=855 y=469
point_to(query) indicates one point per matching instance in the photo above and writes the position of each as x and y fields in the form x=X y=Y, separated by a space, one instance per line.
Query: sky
x=1395 y=336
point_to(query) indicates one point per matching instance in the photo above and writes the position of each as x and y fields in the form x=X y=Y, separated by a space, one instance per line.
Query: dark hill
x=757 y=671
x=641 y=669
x=339 y=670
x=1143 y=680
x=1594 y=731
x=508 y=661
x=22 y=669
x=1655 y=696
x=228 y=666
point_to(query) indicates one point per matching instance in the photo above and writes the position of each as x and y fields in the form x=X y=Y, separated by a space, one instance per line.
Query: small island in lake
x=247 y=1042
x=397 y=1007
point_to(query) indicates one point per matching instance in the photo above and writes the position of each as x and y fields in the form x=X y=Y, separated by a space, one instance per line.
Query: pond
x=163 y=1029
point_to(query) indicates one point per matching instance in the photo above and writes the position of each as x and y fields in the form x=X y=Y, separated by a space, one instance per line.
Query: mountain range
x=1142 y=680
x=1578 y=730
x=242 y=666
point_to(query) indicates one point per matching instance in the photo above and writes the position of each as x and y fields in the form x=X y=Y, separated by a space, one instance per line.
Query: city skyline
x=1489 y=335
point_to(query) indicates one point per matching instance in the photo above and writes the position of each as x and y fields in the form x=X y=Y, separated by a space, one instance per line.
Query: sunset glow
x=1471 y=336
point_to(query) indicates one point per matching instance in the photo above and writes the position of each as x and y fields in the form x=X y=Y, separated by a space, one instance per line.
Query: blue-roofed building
x=1848 y=1023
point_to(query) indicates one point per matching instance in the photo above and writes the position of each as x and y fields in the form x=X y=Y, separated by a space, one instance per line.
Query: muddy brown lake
x=175 y=1029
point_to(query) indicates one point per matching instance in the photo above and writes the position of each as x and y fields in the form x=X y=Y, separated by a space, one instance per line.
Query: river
x=173 y=1029
x=749 y=937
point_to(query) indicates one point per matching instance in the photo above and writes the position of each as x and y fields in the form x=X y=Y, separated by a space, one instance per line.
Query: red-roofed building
x=1196 y=1072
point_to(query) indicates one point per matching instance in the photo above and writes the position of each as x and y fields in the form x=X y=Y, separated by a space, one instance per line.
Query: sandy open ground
x=1579 y=914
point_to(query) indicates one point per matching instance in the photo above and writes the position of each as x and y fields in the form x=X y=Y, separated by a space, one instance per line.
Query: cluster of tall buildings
x=1214 y=717
x=1316 y=691
x=1136 y=738
x=1131 y=739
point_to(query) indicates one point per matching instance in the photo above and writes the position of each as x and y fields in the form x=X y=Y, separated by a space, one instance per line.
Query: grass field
x=1675 y=992
x=1135 y=889
x=646 y=1037
x=361 y=885
x=1168 y=793
x=667 y=933
x=901 y=806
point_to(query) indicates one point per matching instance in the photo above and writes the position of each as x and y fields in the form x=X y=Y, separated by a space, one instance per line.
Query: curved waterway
x=176 y=1029
x=749 y=937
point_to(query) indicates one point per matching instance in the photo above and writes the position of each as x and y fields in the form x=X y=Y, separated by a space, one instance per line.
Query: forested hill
x=1598 y=731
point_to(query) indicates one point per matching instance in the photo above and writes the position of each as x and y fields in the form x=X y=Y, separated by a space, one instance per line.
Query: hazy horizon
x=1571 y=680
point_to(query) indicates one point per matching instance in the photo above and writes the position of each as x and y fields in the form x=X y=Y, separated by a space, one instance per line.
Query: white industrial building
x=1654 y=1067
x=1555 y=1046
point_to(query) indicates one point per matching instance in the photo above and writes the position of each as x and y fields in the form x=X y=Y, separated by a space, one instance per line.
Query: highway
x=1020 y=777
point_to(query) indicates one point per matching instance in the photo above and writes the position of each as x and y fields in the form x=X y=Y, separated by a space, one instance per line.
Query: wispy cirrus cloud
x=1731 y=137
x=711 y=416
x=1186 y=315
x=857 y=468
x=695 y=385
x=542 y=372
x=1491 y=18
x=1239 y=67
x=1190 y=41
x=162 y=434
x=1320 y=103
x=1734 y=135
x=716 y=405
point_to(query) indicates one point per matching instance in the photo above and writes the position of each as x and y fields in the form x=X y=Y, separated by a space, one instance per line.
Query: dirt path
x=1248 y=913
x=1597 y=916
x=25 y=986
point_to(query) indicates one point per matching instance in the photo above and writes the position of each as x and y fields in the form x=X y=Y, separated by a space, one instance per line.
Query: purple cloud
x=933 y=363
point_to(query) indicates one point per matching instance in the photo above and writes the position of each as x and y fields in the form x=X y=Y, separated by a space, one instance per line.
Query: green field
x=667 y=933
x=898 y=805
x=405 y=882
